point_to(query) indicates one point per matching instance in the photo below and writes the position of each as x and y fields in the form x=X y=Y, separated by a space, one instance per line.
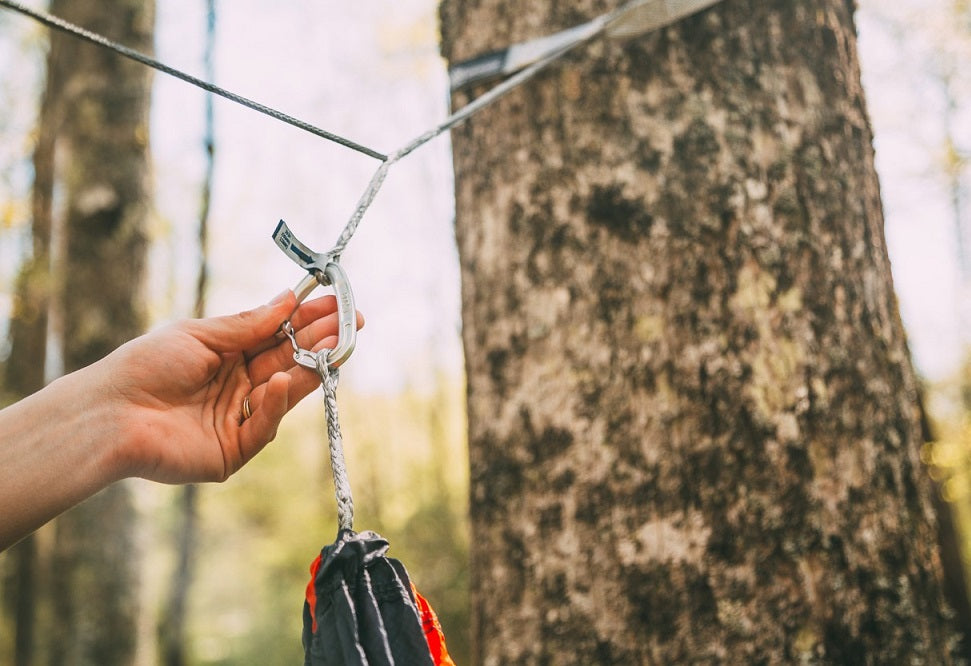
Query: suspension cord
x=100 y=40
x=342 y=485
x=455 y=119
x=632 y=18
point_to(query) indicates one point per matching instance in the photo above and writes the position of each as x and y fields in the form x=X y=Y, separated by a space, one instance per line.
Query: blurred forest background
x=372 y=72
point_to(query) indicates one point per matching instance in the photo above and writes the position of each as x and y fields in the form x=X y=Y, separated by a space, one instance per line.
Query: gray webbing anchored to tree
x=629 y=20
x=526 y=59
x=523 y=61
x=519 y=62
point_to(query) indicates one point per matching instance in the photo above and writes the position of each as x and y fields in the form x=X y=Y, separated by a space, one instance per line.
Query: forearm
x=167 y=406
x=58 y=447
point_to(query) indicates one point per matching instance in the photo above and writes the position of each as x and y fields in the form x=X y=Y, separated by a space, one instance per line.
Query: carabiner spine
x=346 y=315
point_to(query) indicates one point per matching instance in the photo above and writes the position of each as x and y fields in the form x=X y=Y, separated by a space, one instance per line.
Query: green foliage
x=260 y=531
x=950 y=462
x=949 y=457
x=411 y=453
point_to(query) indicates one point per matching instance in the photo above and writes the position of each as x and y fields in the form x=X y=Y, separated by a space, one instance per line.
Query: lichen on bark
x=693 y=426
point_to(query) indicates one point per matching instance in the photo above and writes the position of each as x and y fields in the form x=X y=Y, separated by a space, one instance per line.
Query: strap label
x=302 y=255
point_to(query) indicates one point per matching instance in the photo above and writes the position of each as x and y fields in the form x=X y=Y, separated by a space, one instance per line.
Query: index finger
x=310 y=311
x=304 y=315
x=243 y=330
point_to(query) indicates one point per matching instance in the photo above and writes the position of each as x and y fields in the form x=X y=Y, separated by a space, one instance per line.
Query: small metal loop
x=307 y=358
x=303 y=357
x=287 y=329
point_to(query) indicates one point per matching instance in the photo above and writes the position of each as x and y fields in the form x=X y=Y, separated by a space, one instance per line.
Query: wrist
x=60 y=447
x=97 y=421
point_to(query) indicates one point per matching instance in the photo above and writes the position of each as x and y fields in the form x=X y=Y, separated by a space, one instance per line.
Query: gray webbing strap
x=634 y=18
x=524 y=61
x=630 y=20
x=479 y=103
x=521 y=61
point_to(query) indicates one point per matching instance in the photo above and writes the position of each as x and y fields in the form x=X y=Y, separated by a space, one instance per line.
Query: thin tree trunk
x=100 y=158
x=172 y=626
x=24 y=370
x=693 y=428
x=24 y=374
x=173 y=640
x=19 y=588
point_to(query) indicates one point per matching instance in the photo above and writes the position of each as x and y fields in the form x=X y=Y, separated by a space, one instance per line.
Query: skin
x=166 y=407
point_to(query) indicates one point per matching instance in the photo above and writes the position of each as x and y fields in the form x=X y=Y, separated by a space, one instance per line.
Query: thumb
x=241 y=331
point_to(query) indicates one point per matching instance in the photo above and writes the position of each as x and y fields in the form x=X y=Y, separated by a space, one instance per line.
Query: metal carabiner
x=334 y=276
x=346 y=316
x=307 y=358
x=321 y=269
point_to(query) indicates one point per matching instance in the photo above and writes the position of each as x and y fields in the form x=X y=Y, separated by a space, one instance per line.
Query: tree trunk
x=172 y=636
x=98 y=129
x=693 y=427
x=24 y=374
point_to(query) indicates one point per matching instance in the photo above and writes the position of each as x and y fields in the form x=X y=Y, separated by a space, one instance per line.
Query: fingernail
x=279 y=298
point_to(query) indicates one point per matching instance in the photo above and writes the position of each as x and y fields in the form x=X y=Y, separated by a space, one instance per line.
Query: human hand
x=179 y=391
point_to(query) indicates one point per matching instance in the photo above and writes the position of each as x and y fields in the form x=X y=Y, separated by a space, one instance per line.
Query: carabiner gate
x=322 y=269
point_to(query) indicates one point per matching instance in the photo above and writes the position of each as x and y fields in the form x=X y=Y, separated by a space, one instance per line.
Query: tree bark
x=98 y=131
x=24 y=370
x=172 y=636
x=23 y=374
x=693 y=424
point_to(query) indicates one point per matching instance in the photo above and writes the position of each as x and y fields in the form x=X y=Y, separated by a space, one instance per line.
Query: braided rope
x=342 y=486
x=647 y=15
x=452 y=121
x=362 y=205
x=631 y=18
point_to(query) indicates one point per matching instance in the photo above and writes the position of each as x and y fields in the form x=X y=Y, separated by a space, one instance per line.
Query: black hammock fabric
x=362 y=609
